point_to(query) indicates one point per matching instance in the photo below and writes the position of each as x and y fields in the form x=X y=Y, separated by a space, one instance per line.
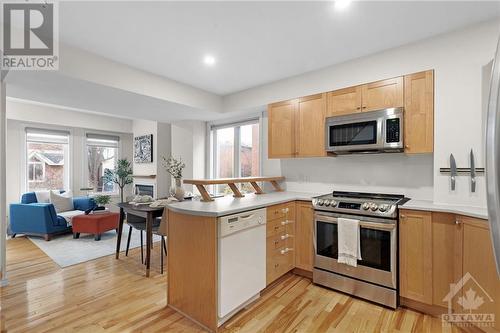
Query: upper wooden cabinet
x=415 y=255
x=281 y=129
x=344 y=101
x=419 y=112
x=382 y=94
x=297 y=127
x=310 y=121
x=304 y=236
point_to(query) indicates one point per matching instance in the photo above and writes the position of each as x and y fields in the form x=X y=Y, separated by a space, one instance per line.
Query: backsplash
x=385 y=173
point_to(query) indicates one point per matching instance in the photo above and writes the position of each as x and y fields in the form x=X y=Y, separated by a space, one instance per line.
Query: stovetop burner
x=359 y=203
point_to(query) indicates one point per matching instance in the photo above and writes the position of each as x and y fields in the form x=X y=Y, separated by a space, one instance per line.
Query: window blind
x=103 y=140
x=47 y=136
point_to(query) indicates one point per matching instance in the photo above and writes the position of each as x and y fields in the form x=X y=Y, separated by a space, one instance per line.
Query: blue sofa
x=40 y=219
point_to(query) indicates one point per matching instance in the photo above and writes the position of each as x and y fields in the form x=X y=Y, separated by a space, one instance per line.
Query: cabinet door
x=344 y=101
x=446 y=255
x=281 y=129
x=310 y=133
x=419 y=113
x=415 y=258
x=304 y=236
x=382 y=94
x=479 y=261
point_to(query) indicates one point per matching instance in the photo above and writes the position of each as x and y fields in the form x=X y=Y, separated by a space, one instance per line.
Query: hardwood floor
x=108 y=295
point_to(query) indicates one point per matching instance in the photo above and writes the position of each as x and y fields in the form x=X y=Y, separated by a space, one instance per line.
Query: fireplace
x=145 y=189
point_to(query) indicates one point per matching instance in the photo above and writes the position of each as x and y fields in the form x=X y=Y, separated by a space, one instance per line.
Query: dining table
x=146 y=212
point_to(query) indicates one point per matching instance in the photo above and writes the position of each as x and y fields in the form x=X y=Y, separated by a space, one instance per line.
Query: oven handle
x=364 y=224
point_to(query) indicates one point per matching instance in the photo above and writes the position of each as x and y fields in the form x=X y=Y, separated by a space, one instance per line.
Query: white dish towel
x=348 y=241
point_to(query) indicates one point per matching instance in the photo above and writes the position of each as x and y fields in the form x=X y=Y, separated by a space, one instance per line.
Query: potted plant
x=102 y=200
x=120 y=175
x=174 y=167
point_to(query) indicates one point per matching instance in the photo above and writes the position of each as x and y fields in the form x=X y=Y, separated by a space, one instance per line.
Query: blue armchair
x=40 y=219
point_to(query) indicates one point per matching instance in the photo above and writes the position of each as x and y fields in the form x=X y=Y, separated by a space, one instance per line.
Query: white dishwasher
x=242 y=260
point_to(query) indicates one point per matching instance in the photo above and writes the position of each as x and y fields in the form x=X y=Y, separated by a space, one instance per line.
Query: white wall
x=20 y=115
x=161 y=147
x=3 y=208
x=188 y=143
x=459 y=60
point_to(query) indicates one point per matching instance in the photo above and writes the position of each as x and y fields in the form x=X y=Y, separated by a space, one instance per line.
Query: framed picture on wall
x=143 y=149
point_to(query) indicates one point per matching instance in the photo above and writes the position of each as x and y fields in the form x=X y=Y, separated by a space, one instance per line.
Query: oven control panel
x=356 y=207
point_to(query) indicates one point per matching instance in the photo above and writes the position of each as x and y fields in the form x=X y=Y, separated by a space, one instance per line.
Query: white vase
x=178 y=191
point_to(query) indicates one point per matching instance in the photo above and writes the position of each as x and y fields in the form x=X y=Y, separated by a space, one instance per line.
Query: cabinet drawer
x=279 y=262
x=278 y=242
x=280 y=226
x=281 y=211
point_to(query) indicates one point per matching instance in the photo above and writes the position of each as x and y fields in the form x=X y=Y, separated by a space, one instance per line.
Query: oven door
x=378 y=238
x=345 y=134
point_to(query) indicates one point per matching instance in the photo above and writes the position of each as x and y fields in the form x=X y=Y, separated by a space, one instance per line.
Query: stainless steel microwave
x=366 y=132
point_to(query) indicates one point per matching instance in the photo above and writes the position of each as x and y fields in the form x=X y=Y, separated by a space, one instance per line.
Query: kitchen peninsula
x=194 y=254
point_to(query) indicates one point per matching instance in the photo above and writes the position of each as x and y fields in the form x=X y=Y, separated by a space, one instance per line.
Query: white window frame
x=68 y=168
x=212 y=146
x=86 y=159
x=31 y=164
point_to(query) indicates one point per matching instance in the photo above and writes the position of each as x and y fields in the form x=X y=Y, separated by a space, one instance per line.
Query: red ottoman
x=94 y=224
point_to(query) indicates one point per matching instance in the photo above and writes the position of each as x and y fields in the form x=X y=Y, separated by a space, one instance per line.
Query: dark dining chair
x=161 y=230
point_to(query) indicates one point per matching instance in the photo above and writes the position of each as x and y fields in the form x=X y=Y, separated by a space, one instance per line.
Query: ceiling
x=253 y=42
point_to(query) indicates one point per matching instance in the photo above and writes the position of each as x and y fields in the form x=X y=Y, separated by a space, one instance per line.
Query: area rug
x=66 y=251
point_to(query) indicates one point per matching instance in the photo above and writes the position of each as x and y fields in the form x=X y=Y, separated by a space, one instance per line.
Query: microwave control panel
x=392 y=130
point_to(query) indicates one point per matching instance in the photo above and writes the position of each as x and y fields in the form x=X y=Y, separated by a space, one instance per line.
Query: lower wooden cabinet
x=415 y=255
x=304 y=235
x=440 y=250
x=280 y=243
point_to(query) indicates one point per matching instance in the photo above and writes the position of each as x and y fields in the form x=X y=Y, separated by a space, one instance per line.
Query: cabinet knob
x=403 y=216
x=457 y=222
x=358 y=108
x=407 y=146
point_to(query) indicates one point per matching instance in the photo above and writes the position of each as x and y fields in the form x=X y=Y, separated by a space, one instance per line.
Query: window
x=36 y=171
x=102 y=154
x=235 y=153
x=47 y=159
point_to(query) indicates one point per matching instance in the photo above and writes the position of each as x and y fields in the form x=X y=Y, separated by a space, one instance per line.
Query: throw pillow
x=42 y=196
x=62 y=202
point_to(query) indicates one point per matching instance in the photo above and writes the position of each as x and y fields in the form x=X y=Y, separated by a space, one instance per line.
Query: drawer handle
x=285 y=210
x=276 y=265
x=276 y=227
x=286 y=250
x=286 y=222
x=276 y=242
x=283 y=237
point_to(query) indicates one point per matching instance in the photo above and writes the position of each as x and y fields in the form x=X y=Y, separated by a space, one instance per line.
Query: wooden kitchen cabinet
x=382 y=94
x=304 y=236
x=310 y=133
x=344 y=101
x=479 y=261
x=297 y=127
x=281 y=129
x=280 y=240
x=415 y=255
x=447 y=238
x=419 y=112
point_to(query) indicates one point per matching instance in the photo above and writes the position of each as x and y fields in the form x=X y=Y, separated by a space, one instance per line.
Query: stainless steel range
x=375 y=277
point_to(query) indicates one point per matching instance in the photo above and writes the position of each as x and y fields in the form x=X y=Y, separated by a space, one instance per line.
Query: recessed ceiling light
x=341 y=4
x=209 y=60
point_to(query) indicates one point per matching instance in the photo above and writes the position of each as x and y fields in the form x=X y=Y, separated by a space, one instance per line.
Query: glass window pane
x=249 y=153
x=225 y=157
x=98 y=160
x=47 y=163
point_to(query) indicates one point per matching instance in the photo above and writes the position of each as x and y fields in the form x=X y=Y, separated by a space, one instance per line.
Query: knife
x=453 y=171
x=472 y=173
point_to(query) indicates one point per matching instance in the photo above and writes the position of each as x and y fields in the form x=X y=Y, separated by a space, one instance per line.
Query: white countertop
x=478 y=212
x=229 y=205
